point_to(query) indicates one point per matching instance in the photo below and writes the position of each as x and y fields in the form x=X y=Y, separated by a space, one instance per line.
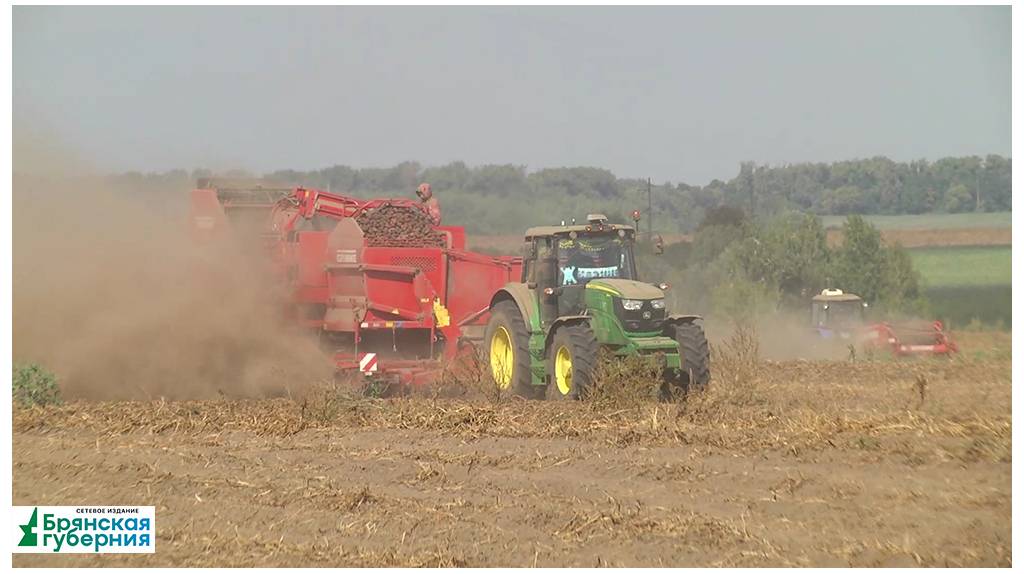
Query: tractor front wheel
x=695 y=357
x=506 y=350
x=572 y=359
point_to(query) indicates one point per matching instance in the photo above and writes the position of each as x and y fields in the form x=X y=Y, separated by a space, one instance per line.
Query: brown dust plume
x=111 y=295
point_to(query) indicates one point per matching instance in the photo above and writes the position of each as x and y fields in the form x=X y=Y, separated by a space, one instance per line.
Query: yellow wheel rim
x=563 y=370
x=502 y=357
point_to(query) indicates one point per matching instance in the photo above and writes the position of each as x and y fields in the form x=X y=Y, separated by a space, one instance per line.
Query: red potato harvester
x=393 y=294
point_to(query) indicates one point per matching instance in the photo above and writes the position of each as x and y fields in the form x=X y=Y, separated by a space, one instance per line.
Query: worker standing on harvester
x=429 y=202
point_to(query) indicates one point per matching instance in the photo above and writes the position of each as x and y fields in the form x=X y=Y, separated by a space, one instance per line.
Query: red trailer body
x=441 y=294
x=429 y=299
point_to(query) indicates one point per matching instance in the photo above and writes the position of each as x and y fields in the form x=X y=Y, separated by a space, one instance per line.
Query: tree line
x=507 y=198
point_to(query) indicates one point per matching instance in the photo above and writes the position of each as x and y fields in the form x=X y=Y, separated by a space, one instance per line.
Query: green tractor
x=579 y=293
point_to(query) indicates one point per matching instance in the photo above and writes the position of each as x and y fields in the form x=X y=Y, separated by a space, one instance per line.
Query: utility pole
x=977 y=188
x=650 y=213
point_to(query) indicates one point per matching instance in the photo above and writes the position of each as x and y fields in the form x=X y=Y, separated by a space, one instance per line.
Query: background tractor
x=836 y=315
x=579 y=294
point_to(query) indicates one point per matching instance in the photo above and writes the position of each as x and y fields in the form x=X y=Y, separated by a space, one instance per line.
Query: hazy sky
x=680 y=94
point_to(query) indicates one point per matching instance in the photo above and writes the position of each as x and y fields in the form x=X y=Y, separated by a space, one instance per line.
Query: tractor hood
x=627 y=288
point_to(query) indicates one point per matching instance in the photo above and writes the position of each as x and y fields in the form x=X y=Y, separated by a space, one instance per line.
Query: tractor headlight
x=658 y=303
x=632 y=304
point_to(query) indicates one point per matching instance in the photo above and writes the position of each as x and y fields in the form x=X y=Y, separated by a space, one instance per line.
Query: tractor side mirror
x=659 y=245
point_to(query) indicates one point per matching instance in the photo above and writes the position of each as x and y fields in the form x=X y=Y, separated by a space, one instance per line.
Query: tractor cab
x=562 y=262
x=837 y=314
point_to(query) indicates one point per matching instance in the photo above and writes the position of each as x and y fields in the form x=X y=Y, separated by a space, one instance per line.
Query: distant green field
x=965 y=283
x=957 y=307
x=929 y=220
x=963 y=266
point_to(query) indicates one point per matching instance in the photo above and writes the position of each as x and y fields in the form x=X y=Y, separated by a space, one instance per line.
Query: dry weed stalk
x=624 y=382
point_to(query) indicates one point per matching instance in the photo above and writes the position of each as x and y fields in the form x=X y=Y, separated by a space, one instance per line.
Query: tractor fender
x=519 y=294
x=559 y=322
x=681 y=319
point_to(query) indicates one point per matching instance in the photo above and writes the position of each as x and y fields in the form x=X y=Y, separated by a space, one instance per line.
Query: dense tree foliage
x=788 y=252
x=508 y=198
x=740 y=269
x=880 y=273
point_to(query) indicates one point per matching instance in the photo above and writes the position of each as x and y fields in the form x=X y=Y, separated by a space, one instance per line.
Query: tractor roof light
x=598 y=218
x=636 y=215
x=549 y=291
x=663 y=286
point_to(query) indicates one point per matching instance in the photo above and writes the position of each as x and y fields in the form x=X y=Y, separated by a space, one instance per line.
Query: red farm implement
x=389 y=293
x=903 y=339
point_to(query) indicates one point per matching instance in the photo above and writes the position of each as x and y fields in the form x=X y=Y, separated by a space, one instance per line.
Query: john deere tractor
x=580 y=293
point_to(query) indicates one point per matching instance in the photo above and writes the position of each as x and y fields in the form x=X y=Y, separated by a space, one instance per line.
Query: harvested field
x=911 y=238
x=884 y=463
x=970 y=220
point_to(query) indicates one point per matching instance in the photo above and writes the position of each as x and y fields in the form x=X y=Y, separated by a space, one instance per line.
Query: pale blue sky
x=675 y=93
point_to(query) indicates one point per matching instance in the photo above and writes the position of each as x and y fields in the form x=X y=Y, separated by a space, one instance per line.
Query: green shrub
x=33 y=385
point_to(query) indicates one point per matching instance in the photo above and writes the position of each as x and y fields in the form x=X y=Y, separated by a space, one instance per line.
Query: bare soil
x=796 y=463
x=911 y=238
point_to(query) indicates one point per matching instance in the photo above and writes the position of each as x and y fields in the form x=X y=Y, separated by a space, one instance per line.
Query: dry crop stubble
x=751 y=405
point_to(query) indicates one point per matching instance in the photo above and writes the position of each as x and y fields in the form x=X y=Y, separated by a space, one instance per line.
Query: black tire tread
x=508 y=312
x=584 y=347
x=695 y=354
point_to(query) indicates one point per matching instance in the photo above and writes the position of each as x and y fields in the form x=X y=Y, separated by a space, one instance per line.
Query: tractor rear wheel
x=506 y=350
x=695 y=357
x=572 y=359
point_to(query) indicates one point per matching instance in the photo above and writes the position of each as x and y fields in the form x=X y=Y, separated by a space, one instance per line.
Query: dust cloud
x=110 y=294
x=782 y=336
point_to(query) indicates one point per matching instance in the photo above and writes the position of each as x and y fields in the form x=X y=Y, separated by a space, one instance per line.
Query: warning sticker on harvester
x=345 y=255
x=368 y=363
